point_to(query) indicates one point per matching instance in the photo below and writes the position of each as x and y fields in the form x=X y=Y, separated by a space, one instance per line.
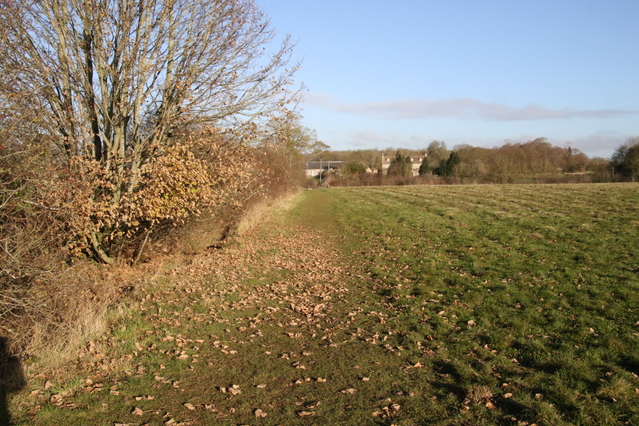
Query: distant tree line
x=535 y=161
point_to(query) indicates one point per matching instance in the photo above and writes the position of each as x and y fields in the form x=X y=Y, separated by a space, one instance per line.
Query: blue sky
x=402 y=73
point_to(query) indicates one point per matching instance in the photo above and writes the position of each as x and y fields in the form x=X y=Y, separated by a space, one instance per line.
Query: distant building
x=416 y=162
x=314 y=168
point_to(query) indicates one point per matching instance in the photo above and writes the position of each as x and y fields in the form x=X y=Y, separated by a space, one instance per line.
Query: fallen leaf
x=189 y=406
x=56 y=399
x=137 y=411
x=160 y=379
x=304 y=414
x=259 y=413
x=351 y=390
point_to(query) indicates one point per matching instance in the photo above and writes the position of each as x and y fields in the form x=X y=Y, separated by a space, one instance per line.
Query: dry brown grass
x=262 y=210
x=50 y=317
x=53 y=316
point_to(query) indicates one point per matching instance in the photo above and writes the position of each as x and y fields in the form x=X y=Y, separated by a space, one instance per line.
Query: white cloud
x=461 y=108
x=368 y=139
x=601 y=144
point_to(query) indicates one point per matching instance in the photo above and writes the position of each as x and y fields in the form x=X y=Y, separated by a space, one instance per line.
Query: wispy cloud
x=462 y=108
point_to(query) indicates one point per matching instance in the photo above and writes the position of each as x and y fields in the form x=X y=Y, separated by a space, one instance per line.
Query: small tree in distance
x=354 y=168
x=626 y=159
x=424 y=168
x=447 y=167
x=400 y=166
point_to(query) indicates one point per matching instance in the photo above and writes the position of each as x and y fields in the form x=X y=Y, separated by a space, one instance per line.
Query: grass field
x=449 y=305
x=523 y=297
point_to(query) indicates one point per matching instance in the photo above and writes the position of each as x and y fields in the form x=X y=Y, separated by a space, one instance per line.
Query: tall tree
x=436 y=153
x=287 y=132
x=113 y=80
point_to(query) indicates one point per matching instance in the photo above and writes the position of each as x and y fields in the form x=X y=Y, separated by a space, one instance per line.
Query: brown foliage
x=97 y=152
x=48 y=214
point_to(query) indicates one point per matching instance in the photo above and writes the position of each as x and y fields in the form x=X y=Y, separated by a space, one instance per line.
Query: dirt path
x=271 y=329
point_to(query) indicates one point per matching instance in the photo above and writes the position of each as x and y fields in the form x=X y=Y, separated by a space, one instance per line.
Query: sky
x=402 y=73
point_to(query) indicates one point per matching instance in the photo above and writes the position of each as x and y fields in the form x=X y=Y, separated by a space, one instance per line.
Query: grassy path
x=418 y=305
x=266 y=331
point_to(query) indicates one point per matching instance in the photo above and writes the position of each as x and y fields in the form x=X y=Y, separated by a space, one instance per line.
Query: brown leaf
x=259 y=413
x=235 y=390
x=304 y=414
x=137 y=411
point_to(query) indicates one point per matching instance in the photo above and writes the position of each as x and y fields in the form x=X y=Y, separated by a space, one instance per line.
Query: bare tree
x=112 y=80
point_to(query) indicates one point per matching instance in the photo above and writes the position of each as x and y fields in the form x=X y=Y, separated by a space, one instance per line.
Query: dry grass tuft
x=260 y=211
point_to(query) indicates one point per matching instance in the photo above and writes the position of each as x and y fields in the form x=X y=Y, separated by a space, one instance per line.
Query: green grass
x=546 y=275
x=455 y=305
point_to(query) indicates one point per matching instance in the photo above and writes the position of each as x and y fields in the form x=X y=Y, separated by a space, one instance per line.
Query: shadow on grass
x=630 y=363
x=448 y=371
x=11 y=379
x=514 y=408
